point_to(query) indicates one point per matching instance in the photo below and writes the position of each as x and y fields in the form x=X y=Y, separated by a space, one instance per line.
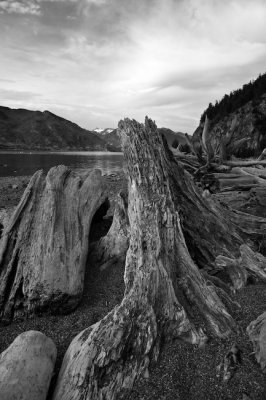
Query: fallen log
x=251 y=201
x=244 y=163
x=44 y=248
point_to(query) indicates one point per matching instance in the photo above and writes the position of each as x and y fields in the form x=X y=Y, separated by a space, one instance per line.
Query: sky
x=97 y=61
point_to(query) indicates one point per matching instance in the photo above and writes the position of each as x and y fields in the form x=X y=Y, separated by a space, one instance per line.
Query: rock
x=26 y=367
x=14 y=186
x=257 y=335
x=206 y=194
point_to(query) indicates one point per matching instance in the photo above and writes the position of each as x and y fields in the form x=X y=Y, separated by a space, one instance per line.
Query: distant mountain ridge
x=104 y=131
x=174 y=139
x=112 y=138
x=22 y=129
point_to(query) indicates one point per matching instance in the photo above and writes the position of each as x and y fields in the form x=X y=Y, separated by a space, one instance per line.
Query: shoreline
x=68 y=151
x=13 y=186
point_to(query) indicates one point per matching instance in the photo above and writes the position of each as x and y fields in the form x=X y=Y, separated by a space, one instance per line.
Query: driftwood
x=212 y=158
x=114 y=245
x=44 y=248
x=206 y=144
x=166 y=295
x=257 y=335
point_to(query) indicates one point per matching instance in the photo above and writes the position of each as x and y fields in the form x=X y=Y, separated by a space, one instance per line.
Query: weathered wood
x=257 y=335
x=115 y=244
x=250 y=199
x=263 y=155
x=195 y=148
x=244 y=163
x=190 y=144
x=44 y=248
x=173 y=230
x=206 y=143
x=249 y=263
x=234 y=270
x=164 y=288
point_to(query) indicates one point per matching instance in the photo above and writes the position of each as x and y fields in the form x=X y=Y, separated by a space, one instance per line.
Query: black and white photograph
x=132 y=200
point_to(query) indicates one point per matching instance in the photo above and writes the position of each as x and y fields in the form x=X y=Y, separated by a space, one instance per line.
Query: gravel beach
x=183 y=371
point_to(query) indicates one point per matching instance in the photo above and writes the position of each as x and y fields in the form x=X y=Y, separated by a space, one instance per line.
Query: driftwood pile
x=240 y=184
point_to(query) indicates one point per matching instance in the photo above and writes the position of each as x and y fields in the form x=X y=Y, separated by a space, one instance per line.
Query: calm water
x=26 y=163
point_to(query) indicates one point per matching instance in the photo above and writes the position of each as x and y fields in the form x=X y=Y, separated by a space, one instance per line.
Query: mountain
x=103 y=132
x=245 y=111
x=111 y=136
x=35 y=130
x=173 y=138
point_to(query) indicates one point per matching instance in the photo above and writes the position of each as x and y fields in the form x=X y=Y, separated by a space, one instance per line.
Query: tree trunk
x=44 y=248
x=166 y=296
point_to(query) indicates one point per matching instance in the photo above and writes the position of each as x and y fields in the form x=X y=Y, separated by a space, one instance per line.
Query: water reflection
x=26 y=163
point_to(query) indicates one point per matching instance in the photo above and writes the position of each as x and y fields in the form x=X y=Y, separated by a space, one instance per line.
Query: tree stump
x=44 y=248
x=166 y=296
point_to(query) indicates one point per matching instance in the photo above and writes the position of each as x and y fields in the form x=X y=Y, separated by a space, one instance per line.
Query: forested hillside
x=251 y=91
x=240 y=115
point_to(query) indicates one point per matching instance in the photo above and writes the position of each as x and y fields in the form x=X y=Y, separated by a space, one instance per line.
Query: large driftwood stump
x=166 y=296
x=44 y=248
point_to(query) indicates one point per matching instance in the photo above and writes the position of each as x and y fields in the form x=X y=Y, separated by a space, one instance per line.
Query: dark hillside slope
x=247 y=108
x=35 y=130
x=173 y=138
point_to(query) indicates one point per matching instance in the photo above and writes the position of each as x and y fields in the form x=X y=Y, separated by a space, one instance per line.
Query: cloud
x=31 y=7
x=112 y=58
x=17 y=95
x=27 y=7
x=7 y=80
